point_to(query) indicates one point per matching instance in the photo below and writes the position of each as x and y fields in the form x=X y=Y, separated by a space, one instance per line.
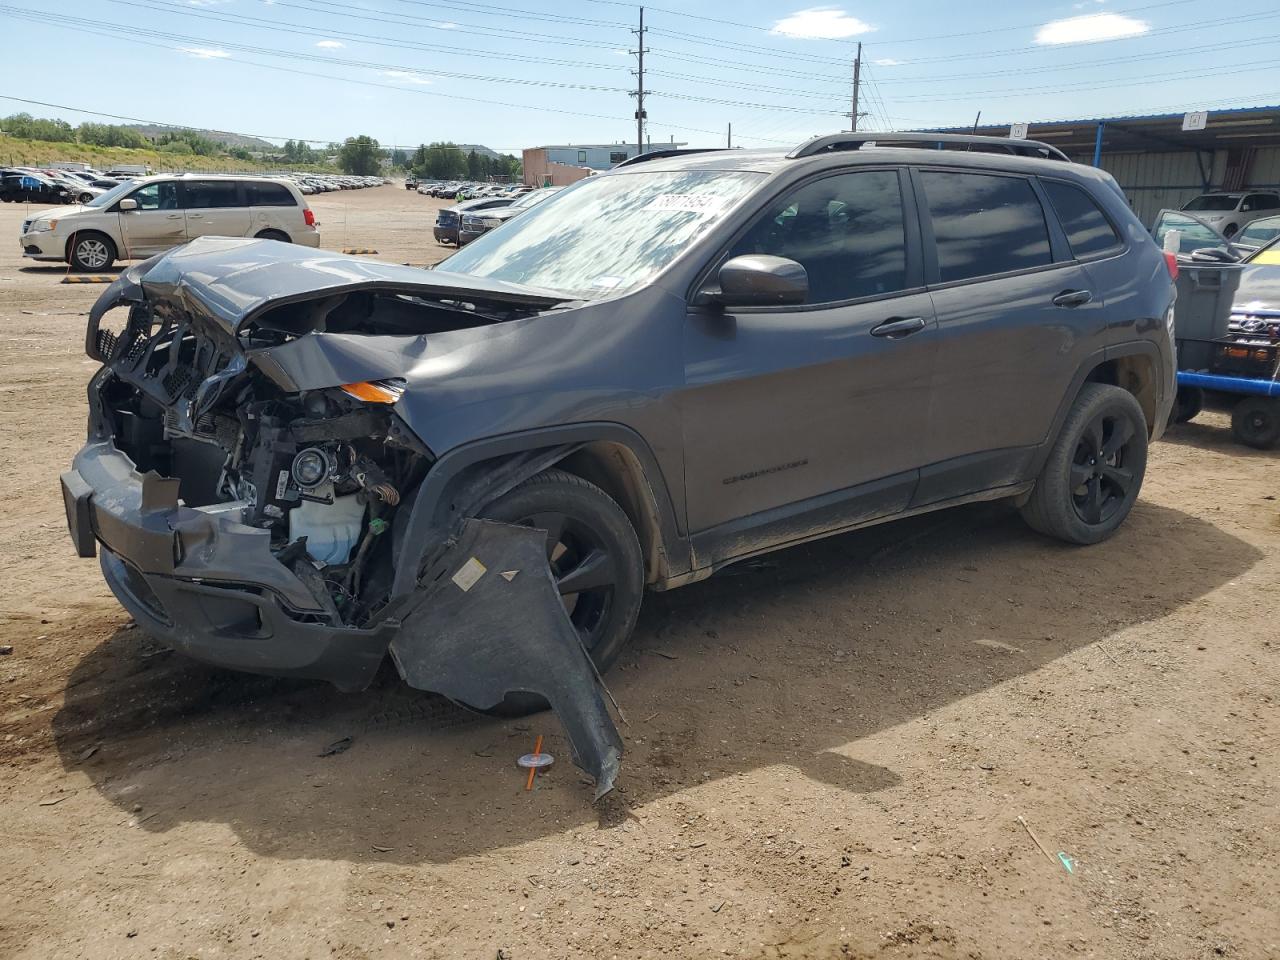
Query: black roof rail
x=853 y=141
x=662 y=154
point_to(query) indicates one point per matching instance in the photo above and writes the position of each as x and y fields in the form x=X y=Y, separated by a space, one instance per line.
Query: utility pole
x=728 y=143
x=857 y=80
x=639 y=92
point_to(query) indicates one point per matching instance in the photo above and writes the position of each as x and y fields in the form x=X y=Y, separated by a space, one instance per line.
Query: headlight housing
x=41 y=226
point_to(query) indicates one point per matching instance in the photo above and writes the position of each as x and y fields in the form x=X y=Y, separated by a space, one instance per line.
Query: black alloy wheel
x=1094 y=470
x=1100 y=477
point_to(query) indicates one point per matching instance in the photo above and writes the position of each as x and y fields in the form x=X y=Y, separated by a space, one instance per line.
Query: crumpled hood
x=1259 y=290
x=230 y=280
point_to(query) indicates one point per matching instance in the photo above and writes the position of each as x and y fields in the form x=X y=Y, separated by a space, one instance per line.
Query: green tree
x=360 y=156
x=27 y=127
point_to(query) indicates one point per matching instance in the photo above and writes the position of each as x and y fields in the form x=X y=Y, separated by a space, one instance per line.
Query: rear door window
x=212 y=194
x=845 y=230
x=269 y=195
x=1088 y=230
x=985 y=224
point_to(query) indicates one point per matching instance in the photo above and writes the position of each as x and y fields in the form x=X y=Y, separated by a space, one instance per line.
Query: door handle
x=174 y=216
x=195 y=216
x=897 y=327
x=1072 y=298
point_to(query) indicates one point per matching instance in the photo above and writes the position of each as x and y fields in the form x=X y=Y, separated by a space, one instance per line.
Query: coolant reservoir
x=331 y=529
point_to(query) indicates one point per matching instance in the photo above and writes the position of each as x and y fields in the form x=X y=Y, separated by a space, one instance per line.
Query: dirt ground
x=831 y=753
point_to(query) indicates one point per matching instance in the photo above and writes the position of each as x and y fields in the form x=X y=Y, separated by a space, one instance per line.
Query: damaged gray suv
x=299 y=462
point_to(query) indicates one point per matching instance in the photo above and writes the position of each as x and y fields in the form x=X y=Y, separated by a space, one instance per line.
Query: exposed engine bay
x=323 y=470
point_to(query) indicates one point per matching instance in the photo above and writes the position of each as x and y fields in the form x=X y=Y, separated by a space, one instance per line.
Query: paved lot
x=828 y=751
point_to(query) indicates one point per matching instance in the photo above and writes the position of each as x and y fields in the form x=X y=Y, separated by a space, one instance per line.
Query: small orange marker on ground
x=533 y=770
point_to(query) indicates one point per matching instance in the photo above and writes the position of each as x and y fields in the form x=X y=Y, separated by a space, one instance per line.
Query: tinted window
x=985 y=224
x=846 y=231
x=213 y=193
x=1088 y=231
x=269 y=195
x=157 y=196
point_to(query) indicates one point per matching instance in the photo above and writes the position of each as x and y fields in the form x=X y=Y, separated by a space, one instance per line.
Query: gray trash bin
x=1206 y=292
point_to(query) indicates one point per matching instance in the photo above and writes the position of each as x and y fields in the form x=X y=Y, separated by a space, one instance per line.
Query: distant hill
x=478 y=148
x=218 y=136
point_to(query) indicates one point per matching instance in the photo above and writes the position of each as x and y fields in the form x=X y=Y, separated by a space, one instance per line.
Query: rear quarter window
x=985 y=224
x=1088 y=230
x=269 y=195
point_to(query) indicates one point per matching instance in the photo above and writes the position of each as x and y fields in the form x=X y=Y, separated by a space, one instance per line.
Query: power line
x=131 y=32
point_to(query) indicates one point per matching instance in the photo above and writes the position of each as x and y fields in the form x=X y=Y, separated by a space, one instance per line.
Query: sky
x=512 y=74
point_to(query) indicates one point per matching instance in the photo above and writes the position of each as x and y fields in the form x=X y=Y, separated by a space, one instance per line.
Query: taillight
x=309 y=219
x=1171 y=261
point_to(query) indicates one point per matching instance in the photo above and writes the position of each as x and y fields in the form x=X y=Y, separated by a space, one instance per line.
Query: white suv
x=143 y=217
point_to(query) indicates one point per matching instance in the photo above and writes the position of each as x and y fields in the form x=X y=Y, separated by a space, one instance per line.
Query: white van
x=141 y=218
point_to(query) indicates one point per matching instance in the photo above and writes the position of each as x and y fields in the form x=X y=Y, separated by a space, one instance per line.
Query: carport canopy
x=1088 y=140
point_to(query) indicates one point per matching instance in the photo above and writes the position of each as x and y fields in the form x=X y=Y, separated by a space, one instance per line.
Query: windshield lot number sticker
x=688 y=203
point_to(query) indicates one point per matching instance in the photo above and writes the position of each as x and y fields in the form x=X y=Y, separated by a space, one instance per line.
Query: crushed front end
x=251 y=497
x=247 y=525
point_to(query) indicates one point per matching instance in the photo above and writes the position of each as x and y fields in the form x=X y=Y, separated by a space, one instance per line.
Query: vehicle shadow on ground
x=790 y=662
x=1216 y=437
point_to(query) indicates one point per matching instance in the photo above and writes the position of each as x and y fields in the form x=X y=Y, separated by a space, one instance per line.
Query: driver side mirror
x=128 y=203
x=760 y=280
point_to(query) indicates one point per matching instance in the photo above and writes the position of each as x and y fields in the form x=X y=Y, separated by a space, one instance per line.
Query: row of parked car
x=309 y=183
x=52 y=185
x=462 y=190
x=463 y=222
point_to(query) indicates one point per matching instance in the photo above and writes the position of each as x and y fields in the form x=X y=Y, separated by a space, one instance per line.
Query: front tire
x=1095 y=469
x=595 y=558
x=91 y=251
x=1255 y=422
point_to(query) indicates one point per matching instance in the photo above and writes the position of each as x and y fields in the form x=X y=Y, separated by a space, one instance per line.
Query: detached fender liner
x=488 y=621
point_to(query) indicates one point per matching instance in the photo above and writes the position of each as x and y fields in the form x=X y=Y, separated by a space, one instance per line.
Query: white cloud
x=888 y=62
x=405 y=76
x=821 y=23
x=1091 y=29
x=203 y=53
x=447 y=25
x=330 y=44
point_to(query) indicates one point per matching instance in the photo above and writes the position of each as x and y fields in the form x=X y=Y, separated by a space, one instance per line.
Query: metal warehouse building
x=1159 y=163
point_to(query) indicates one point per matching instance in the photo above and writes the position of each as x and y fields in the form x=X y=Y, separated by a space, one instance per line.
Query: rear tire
x=1255 y=422
x=91 y=251
x=273 y=235
x=1187 y=404
x=1095 y=469
x=590 y=543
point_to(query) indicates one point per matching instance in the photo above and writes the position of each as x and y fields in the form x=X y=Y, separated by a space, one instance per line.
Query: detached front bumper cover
x=488 y=621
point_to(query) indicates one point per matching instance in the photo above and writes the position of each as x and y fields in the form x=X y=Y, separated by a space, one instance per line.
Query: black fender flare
x=1131 y=348
x=453 y=489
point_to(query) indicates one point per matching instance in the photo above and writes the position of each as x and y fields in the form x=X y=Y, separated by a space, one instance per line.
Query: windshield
x=1213 y=203
x=112 y=195
x=1258 y=232
x=605 y=235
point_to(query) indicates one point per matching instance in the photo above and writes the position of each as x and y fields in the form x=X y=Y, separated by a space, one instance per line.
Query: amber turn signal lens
x=375 y=391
